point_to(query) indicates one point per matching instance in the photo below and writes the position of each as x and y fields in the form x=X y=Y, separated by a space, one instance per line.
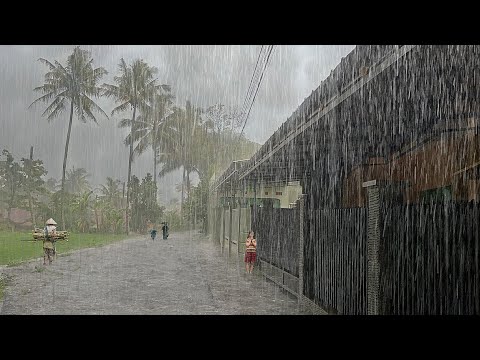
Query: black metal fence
x=277 y=233
x=335 y=271
x=429 y=256
x=429 y=259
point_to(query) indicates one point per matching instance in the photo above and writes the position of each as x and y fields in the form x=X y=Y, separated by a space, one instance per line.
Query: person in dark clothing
x=153 y=234
x=165 y=230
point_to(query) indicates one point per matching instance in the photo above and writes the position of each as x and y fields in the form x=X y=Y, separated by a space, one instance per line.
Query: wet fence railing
x=429 y=259
x=335 y=267
x=278 y=238
x=334 y=255
x=277 y=231
x=389 y=259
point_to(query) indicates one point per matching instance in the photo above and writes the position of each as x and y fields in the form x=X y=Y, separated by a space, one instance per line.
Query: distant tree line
x=196 y=141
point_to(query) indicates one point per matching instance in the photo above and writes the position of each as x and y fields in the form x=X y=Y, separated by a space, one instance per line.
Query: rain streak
x=240 y=180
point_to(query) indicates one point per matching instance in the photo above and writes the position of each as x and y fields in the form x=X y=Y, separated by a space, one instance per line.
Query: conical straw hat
x=50 y=222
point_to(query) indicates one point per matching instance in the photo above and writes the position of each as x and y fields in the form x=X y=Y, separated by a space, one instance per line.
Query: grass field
x=16 y=247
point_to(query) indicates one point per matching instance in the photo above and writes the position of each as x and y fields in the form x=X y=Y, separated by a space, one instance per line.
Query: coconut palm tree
x=74 y=85
x=183 y=152
x=155 y=128
x=111 y=191
x=133 y=89
x=76 y=181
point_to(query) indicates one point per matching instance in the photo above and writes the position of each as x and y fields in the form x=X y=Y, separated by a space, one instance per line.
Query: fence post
x=373 y=243
x=223 y=230
x=239 y=225
x=254 y=218
x=218 y=225
x=301 y=203
x=230 y=229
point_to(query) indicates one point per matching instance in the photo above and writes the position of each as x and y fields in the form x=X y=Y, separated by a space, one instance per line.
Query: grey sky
x=204 y=75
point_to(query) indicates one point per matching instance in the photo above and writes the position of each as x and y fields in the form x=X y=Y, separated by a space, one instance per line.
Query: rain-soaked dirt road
x=186 y=274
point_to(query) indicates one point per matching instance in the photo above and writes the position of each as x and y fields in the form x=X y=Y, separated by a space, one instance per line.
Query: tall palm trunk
x=183 y=196
x=188 y=181
x=65 y=165
x=130 y=158
x=30 y=198
x=188 y=195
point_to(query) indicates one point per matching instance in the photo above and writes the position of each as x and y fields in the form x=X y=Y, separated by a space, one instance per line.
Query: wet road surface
x=184 y=275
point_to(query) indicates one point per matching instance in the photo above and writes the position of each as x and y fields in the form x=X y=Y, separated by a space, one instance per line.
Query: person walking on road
x=49 y=241
x=165 y=230
x=153 y=234
x=250 y=252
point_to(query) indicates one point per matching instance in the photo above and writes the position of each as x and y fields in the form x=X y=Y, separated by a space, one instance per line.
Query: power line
x=257 y=77
x=251 y=81
x=256 y=90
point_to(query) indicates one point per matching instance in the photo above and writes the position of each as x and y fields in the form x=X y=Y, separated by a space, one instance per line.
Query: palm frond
x=110 y=90
x=123 y=66
x=97 y=74
x=90 y=104
x=120 y=108
x=142 y=145
x=125 y=123
x=46 y=98
x=166 y=88
x=53 y=105
x=48 y=63
x=58 y=109
x=168 y=168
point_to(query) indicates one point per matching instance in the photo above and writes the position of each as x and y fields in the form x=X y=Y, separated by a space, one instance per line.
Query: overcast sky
x=205 y=75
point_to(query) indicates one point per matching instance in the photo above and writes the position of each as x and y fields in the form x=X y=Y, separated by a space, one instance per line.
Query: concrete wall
x=287 y=194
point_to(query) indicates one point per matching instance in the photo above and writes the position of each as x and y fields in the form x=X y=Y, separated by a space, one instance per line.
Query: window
x=438 y=194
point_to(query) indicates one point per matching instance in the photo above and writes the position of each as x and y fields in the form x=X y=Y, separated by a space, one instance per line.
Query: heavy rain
x=239 y=180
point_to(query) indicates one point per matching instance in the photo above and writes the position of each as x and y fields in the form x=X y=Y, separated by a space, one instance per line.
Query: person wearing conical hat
x=49 y=241
x=50 y=222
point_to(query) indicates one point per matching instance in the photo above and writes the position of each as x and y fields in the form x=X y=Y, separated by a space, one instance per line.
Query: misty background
x=204 y=74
